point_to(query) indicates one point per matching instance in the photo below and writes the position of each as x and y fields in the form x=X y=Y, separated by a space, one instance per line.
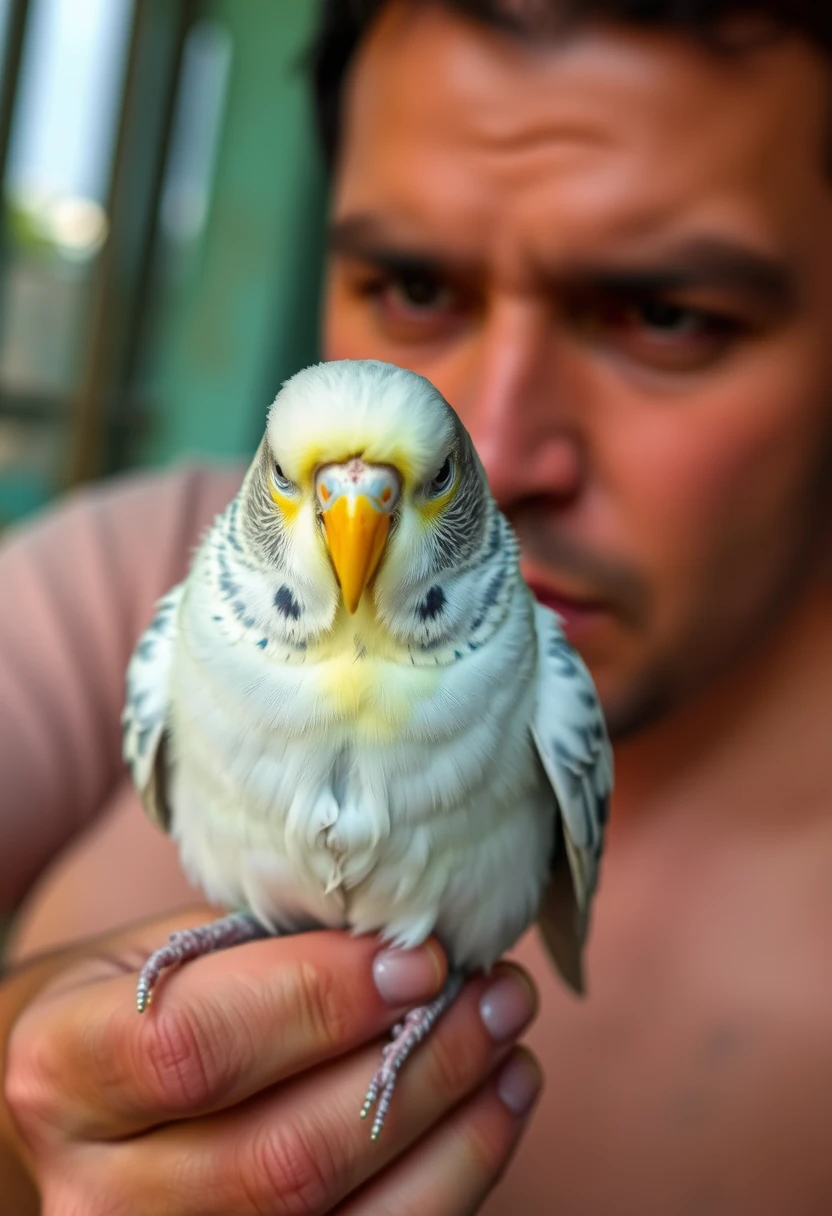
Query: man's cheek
x=692 y=500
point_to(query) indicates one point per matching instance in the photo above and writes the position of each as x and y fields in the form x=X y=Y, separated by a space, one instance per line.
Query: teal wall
x=240 y=313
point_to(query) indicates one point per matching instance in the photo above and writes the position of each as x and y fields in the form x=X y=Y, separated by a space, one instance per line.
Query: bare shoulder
x=130 y=537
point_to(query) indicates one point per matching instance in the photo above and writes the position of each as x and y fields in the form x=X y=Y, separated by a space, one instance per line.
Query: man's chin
x=633 y=707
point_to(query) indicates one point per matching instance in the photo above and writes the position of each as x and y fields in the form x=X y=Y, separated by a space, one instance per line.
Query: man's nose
x=517 y=408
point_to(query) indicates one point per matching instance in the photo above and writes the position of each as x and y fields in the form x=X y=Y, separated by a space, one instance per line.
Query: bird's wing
x=145 y=718
x=572 y=742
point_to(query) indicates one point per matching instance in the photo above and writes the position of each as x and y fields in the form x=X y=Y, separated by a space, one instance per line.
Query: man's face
x=613 y=255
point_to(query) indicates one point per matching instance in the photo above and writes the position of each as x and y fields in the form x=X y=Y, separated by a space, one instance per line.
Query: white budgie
x=352 y=713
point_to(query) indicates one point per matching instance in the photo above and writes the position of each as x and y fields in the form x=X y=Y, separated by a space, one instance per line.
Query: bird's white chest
x=355 y=793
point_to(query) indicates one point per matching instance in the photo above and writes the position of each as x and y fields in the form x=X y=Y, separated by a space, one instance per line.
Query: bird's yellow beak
x=356 y=533
x=356 y=502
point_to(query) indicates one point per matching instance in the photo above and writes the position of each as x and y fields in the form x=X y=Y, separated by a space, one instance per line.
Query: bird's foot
x=407 y=1035
x=193 y=943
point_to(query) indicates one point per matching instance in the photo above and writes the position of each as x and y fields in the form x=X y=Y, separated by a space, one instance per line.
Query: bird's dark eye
x=280 y=479
x=443 y=479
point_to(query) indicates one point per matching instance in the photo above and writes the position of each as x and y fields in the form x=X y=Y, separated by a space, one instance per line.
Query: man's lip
x=553 y=595
x=575 y=612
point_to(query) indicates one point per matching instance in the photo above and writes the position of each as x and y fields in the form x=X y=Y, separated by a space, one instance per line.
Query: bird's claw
x=406 y=1036
x=194 y=943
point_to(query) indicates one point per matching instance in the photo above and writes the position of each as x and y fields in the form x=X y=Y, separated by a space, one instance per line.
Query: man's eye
x=658 y=333
x=665 y=317
x=412 y=304
x=415 y=292
x=416 y=305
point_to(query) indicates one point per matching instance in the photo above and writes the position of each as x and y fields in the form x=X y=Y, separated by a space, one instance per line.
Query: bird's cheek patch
x=288 y=506
x=431 y=508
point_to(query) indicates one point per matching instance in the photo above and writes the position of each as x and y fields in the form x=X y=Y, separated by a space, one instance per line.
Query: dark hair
x=344 y=23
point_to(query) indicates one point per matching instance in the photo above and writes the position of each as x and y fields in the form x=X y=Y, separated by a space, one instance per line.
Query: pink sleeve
x=76 y=589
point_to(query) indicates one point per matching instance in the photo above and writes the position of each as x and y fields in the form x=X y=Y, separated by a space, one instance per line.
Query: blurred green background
x=160 y=250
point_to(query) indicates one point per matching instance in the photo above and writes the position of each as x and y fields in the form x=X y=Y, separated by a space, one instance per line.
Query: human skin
x=666 y=476
x=241 y=1092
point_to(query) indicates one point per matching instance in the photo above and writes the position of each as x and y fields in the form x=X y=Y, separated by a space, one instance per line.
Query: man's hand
x=239 y=1090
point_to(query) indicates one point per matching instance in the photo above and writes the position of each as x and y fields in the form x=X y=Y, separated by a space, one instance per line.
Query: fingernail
x=519 y=1084
x=507 y=1006
x=406 y=977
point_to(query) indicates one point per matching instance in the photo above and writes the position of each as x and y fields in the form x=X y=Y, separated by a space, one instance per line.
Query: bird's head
x=365 y=478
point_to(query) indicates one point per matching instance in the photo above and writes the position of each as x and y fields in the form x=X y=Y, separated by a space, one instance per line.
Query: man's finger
x=303 y=1147
x=85 y=1064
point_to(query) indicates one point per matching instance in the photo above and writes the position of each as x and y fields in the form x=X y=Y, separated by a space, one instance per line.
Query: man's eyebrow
x=703 y=262
x=368 y=240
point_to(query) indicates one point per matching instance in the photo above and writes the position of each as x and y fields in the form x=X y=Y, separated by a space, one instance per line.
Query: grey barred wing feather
x=145 y=718
x=572 y=742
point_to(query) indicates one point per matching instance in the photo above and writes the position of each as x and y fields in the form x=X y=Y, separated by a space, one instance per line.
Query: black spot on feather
x=286 y=604
x=432 y=605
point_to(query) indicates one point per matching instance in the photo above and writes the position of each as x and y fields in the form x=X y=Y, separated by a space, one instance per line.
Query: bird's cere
x=356 y=501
